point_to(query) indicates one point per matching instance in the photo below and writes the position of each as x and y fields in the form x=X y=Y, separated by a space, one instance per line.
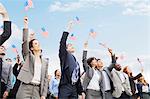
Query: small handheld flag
x=28 y=4
x=14 y=49
x=1 y=28
x=72 y=37
x=77 y=19
x=92 y=33
x=44 y=32
x=104 y=45
x=139 y=61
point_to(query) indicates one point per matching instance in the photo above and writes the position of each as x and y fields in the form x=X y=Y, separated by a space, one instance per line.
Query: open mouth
x=2 y=53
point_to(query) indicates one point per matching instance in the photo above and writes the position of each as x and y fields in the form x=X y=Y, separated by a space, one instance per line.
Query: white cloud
x=132 y=7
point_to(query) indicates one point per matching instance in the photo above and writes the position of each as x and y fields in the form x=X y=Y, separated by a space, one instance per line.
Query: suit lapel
x=43 y=68
x=32 y=62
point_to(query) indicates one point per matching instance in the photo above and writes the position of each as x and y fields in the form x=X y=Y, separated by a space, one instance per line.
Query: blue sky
x=124 y=25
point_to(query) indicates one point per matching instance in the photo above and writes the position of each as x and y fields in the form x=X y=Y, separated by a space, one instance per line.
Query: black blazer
x=132 y=83
x=7 y=32
x=65 y=68
x=15 y=71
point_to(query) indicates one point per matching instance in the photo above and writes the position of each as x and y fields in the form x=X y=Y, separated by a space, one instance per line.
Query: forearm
x=7 y=32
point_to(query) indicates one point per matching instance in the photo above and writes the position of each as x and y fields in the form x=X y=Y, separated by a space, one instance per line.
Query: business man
x=6 y=84
x=16 y=69
x=121 y=84
x=6 y=33
x=33 y=74
x=70 y=84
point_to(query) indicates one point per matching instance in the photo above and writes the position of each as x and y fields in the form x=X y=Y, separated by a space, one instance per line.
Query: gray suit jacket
x=89 y=71
x=7 y=75
x=27 y=71
x=118 y=84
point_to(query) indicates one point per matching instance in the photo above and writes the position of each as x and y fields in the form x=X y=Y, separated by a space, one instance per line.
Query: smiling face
x=34 y=45
x=94 y=63
x=118 y=67
x=70 y=48
x=2 y=51
x=57 y=74
x=99 y=63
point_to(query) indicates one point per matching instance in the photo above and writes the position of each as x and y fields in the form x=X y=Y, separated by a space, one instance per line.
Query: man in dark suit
x=16 y=69
x=4 y=36
x=70 y=84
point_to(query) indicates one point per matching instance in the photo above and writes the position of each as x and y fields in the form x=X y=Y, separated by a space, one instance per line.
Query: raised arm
x=63 y=46
x=113 y=60
x=25 y=45
x=7 y=25
x=137 y=76
x=84 y=57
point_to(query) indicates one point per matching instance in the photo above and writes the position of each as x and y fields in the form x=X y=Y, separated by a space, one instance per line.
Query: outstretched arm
x=63 y=45
x=25 y=45
x=84 y=57
x=113 y=59
x=7 y=25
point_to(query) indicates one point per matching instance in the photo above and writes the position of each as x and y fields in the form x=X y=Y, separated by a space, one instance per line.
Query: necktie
x=0 y=72
x=75 y=74
x=0 y=68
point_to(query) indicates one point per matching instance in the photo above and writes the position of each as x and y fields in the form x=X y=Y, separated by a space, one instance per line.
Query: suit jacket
x=118 y=84
x=132 y=83
x=89 y=74
x=27 y=71
x=15 y=71
x=7 y=75
x=66 y=69
x=7 y=32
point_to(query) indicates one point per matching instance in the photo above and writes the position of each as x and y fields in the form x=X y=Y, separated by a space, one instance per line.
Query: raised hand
x=26 y=22
x=110 y=51
x=4 y=13
x=86 y=45
x=69 y=26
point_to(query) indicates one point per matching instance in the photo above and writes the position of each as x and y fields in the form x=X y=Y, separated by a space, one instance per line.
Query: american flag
x=92 y=33
x=14 y=48
x=72 y=37
x=104 y=45
x=77 y=18
x=1 y=28
x=28 y=4
x=44 y=32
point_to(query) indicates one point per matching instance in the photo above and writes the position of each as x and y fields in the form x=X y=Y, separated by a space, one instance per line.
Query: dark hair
x=31 y=44
x=89 y=60
x=98 y=59
x=55 y=71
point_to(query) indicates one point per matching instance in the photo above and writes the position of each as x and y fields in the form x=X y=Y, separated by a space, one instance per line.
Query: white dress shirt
x=37 y=71
x=94 y=83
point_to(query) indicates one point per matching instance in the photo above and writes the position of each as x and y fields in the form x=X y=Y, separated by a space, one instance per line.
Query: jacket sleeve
x=84 y=60
x=63 y=48
x=15 y=69
x=79 y=87
x=45 y=88
x=137 y=76
x=25 y=45
x=7 y=32
x=9 y=84
x=113 y=62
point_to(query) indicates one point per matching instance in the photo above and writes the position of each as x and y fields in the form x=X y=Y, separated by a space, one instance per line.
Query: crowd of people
x=29 y=79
